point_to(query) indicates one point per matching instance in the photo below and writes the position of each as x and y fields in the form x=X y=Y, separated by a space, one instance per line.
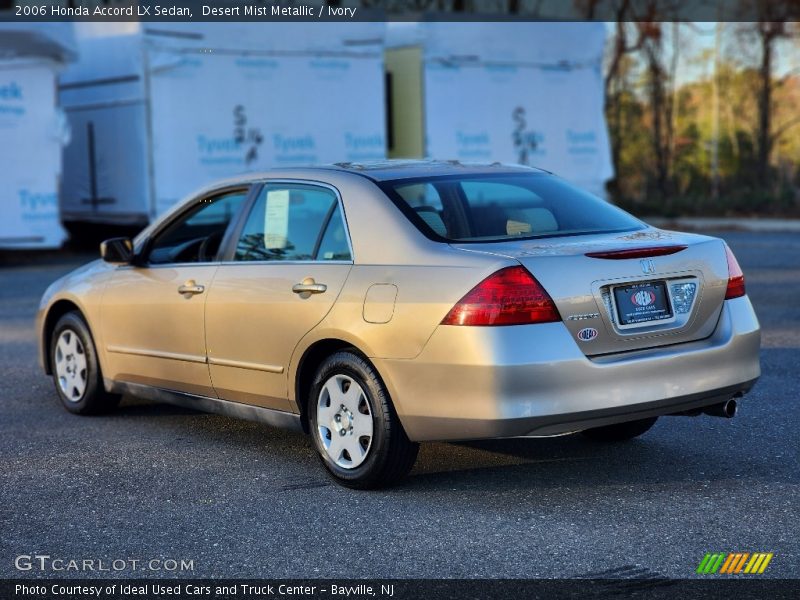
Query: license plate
x=642 y=303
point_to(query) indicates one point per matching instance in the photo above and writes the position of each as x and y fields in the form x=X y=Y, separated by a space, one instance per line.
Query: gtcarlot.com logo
x=46 y=563
x=734 y=563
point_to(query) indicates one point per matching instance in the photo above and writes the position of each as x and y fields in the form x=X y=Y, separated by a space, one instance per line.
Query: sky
x=699 y=39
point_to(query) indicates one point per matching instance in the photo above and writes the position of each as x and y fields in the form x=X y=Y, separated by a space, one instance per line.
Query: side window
x=426 y=202
x=334 y=244
x=196 y=235
x=293 y=223
x=420 y=195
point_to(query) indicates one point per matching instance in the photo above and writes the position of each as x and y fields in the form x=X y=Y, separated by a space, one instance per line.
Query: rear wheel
x=354 y=426
x=620 y=432
x=76 y=370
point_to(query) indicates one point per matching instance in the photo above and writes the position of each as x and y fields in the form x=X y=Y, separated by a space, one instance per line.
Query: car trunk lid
x=630 y=291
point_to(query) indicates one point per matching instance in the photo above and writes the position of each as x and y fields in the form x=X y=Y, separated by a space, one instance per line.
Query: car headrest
x=540 y=220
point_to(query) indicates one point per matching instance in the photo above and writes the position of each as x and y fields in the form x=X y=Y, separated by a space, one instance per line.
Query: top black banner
x=398 y=10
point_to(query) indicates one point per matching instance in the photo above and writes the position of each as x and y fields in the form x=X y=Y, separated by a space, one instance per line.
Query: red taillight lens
x=511 y=296
x=735 y=277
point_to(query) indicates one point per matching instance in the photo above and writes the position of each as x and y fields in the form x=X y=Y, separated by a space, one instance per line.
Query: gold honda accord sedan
x=376 y=306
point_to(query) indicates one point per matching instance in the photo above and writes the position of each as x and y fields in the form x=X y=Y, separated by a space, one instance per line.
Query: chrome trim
x=645 y=324
x=601 y=290
x=157 y=354
x=678 y=320
x=648 y=266
x=238 y=364
x=168 y=265
x=248 y=263
x=248 y=412
x=583 y=317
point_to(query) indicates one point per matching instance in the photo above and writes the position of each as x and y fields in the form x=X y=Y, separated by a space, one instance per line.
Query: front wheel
x=76 y=370
x=354 y=426
x=620 y=432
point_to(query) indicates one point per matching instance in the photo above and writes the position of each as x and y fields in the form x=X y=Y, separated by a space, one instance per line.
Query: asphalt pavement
x=240 y=499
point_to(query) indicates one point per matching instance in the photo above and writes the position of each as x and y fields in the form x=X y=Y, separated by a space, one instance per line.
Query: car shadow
x=130 y=406
x=196 y=426
x=662 y=456
x=574 y=462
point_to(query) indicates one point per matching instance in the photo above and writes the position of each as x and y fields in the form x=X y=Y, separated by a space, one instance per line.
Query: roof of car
x=384 y=170
x=388 y=170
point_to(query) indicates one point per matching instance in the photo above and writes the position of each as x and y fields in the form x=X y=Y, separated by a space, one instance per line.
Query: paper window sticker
x=517 y=227
x=276 y=220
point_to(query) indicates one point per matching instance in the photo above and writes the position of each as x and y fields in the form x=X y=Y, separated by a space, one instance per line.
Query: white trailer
x=159 y=110
x=528 y=93
x=32 y=133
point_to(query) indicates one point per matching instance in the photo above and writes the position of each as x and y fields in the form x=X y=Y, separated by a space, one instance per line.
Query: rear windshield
x=504 y=207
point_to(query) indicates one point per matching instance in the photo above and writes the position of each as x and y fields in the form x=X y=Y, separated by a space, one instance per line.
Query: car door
x=281 y=276
x=153 y=310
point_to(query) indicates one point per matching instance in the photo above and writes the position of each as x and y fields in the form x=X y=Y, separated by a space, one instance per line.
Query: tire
x=382 y=455
x=620 y=432
x=76 y=370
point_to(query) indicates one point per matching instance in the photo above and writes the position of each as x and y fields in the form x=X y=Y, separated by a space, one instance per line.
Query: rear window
x=504 y=207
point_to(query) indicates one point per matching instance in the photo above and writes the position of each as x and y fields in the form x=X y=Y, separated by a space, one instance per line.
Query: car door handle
x=308 y=287
x=191 y=288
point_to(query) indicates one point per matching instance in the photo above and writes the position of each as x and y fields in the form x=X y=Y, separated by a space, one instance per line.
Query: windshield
x=504 y=207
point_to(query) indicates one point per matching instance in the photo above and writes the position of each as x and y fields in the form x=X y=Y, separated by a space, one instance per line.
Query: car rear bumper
x=489 y=382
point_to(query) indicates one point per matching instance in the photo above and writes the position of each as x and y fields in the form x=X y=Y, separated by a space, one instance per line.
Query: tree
x=614 y=82
x=771 y=27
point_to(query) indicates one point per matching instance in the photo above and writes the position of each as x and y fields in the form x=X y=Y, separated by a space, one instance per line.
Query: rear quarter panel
x=430 y=278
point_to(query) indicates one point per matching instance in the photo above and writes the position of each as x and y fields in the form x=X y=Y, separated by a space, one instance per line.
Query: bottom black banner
x=397 y=589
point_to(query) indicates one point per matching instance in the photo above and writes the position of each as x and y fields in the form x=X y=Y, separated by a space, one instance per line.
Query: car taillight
x=735 y=277
x=637 y=252
x=511 y=296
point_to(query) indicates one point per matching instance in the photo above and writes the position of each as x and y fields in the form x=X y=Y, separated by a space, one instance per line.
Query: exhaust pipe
x=726 y=409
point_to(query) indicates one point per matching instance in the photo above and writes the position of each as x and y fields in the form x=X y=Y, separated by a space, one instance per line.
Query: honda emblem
x=648 y=266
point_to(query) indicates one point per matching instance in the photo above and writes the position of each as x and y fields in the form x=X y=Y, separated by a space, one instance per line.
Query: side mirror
x=117 y=250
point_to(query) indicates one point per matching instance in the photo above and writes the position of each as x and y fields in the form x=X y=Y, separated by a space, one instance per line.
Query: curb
x=724 y=223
